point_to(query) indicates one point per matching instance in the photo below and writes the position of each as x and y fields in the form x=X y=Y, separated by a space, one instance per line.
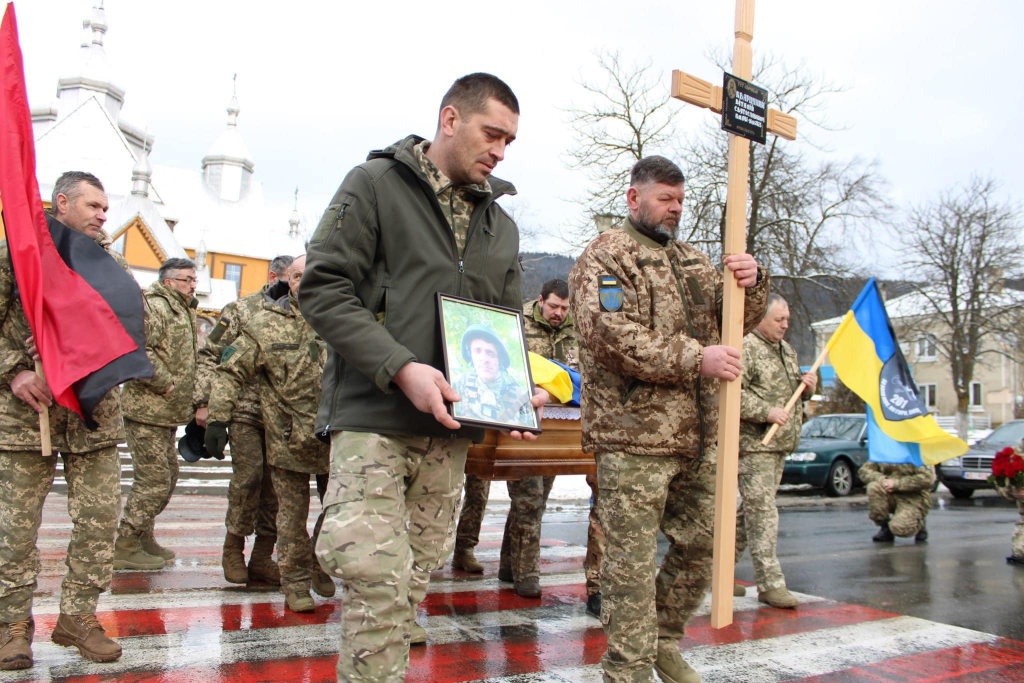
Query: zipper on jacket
x=689 y=326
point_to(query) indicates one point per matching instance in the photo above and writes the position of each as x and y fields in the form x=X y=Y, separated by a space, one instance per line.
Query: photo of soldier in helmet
x=487 y=389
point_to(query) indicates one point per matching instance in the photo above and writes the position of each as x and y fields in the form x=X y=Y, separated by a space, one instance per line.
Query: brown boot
x=466 y=561
x=261 y=563
x=16 y=644
x=321 y=581
x=150 y=545
x=232 y=559
x=300 y=601
x=84 y=632
x=128 y=554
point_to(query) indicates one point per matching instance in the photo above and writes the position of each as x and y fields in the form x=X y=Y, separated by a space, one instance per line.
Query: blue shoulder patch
x=609 y=293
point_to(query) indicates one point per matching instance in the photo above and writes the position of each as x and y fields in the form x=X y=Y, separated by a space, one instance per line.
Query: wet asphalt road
x=959 y=576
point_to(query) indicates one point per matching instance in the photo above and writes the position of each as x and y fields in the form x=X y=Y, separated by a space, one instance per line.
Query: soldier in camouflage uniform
x=648 y=314
x=252 y=505
x=282 y=353
x=1016 y=495
x=154 y=409
x=899 y=497
x=771 y=373
x=397 y=456
x=92 y=468
x=488 y=392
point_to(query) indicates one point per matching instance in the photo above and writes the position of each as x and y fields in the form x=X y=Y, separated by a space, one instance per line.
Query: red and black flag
x=84 y=310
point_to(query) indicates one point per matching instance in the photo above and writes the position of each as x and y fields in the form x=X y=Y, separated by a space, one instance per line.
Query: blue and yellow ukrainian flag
x=867 y=358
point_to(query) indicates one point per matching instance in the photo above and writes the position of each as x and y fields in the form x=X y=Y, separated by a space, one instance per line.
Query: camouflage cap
x=485 y=333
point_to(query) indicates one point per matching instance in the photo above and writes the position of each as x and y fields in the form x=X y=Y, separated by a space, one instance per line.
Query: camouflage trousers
x=294 y=547
x=389 y=521
x=908 y=510
x=252 y=504
x=155 y=467
x=596 y=543
x=94 y=503
x=520 y=544
x=757 y=520
x=639 y=495
x=467 y=536
x=1018 y=532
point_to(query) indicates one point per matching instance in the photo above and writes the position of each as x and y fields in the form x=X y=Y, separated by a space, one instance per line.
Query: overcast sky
x=321 y=83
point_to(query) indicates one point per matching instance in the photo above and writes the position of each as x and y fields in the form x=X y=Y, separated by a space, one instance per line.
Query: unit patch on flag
x=609 y=293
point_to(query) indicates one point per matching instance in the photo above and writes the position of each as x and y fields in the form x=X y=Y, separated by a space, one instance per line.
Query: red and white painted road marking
x=185 y=623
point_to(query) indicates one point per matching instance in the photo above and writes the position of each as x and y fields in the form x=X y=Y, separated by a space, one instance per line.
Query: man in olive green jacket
x=771 y=374
x=153 y=410
x=899 y=498
x=416 y=219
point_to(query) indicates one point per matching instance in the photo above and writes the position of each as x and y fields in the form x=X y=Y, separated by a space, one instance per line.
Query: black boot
x=922 y=535
x=883 y=535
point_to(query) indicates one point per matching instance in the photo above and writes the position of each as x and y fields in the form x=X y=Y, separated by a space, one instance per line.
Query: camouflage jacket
x=771 y=373
x=279 y=350
x=913 y=483
x=171 y=346
x=19 y=424
x=503 y=400
x=558 y=343
x=233 y=318
x=642 y=343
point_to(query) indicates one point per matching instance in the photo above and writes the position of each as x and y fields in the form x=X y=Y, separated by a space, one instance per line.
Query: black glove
x=216 y=438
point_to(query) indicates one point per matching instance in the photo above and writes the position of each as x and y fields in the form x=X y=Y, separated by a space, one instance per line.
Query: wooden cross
x=703 y=94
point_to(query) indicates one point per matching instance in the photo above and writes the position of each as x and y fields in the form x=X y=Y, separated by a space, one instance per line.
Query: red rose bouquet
x=1007 y=469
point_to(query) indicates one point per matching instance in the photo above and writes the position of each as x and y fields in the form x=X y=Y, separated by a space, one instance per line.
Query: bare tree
x=964 y=247
x=626 y=116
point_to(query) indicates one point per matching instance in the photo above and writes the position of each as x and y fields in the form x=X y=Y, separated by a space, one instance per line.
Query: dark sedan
x=832 y=448
x=968 y=473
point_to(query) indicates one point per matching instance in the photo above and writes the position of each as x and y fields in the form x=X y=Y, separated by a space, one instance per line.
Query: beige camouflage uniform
x=279 y=350
x=150 y=418
x=252 y=505
x=908 y=505
x=652 y=420
x=91 y=467
x=771 y=373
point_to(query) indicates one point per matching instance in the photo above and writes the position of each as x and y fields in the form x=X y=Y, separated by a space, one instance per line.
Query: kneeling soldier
x=903 y=491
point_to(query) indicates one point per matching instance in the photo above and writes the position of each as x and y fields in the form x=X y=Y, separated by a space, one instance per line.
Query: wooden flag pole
x=795 y=396
x=44 y=418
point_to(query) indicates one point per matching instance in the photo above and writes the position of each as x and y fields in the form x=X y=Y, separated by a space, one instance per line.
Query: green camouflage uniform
x=92 y=470
x=252 y=505
x=501 y=400
x=279 y=350
x=651 y=419
x=771 y=373
x=908 y=505
x=520 y=544
x=150 y=418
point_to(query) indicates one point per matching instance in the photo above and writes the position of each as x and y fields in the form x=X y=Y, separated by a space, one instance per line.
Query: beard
x=659 y=232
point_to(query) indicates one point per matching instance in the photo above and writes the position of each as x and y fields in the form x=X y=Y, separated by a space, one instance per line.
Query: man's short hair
x=557 y=286
x=280 y=264
x=173 y=264
x=775 y=298
x=67 y=185
x=655 y=169
x=470 y=93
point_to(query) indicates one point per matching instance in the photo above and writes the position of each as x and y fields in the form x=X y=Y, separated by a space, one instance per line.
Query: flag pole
x=796 y=395
x=44 y=418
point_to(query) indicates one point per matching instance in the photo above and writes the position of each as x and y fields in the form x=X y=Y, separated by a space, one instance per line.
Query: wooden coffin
x=556 y=451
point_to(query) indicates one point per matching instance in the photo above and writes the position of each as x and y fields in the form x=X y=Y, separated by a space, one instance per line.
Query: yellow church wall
x=137 y=251
x=254 y=270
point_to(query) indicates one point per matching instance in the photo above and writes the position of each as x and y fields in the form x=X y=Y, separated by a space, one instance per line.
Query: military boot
x=417 y=634
x=528 y=588
x=884 y=535
x=232 y=559
x=300 y=601
x=150 y=545
x=594 y=605
x=323 y=584
x=778 y=597
x=738 y=590
x=261 y=563
x=128 y=554
x=922 y=535
x=16 y=644
x=671 y=666
x=84 y=632
x=466 y=561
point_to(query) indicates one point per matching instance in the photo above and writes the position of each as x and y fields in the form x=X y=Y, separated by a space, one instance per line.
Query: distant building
x=996 y=388
x=216 y=210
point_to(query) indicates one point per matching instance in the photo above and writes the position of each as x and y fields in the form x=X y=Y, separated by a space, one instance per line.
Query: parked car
x=968 y=473
x=832 y=448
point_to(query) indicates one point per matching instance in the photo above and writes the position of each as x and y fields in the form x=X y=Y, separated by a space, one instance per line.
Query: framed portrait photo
x=486 y=361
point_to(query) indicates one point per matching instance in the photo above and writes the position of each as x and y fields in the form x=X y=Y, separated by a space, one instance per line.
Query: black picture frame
x=487 y=362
